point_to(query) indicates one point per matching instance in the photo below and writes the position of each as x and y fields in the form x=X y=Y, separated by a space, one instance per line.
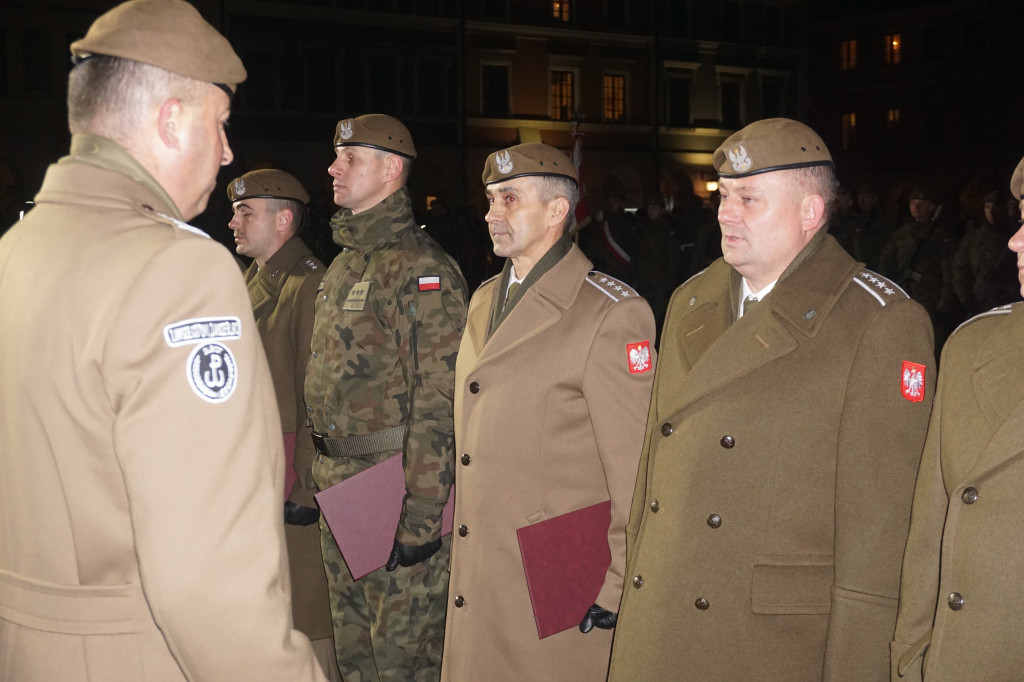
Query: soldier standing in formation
x=140 y=522
x=961 y=611
x=789 y=411
x=552 y=385
x=269 y=210
x=389 y=316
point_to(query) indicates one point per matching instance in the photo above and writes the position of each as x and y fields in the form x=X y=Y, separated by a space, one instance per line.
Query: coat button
x=970 y=495
x=666 y=430
x=474 y=387
x=727 y=442
x=459 y=602
x=955 y=601
x=702 y=604
x=465 y=460
x=715 y=521
x=463 y=531
x=638 y=581
x=655 y=506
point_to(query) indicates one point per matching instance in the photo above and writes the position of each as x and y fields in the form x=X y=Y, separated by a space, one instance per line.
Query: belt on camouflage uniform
x=356 y=446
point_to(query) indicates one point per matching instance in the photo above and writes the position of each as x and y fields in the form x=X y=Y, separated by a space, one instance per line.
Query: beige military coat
x=282 y=294
x=775 y=485
x=140 y=452
x=961 y=604
x=548 y=419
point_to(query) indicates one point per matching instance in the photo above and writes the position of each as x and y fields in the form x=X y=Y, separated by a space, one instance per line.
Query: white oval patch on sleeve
x=212 y=372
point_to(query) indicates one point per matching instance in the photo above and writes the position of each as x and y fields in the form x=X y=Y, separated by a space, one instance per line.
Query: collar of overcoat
x=999 y=391
x=712 y=349
x=269 y=280
x=541 y=306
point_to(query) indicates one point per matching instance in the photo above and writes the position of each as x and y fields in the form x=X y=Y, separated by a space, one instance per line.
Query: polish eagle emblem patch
x=913 y=381
x=741 y=162
x=346 y=129
x=639 y=357
x=504 y=161
x=240 y=187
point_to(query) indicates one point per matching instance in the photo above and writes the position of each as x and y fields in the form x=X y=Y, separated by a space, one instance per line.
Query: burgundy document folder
x=362 y=512
x=566 y=559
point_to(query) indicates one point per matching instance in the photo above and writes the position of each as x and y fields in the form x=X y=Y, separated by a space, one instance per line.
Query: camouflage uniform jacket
x=389 y=317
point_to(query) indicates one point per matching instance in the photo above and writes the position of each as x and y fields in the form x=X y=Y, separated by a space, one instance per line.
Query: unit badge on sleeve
x=913 y=381
x=639 y=357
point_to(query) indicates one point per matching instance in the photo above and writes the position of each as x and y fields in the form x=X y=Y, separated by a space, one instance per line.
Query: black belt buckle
x=318 y=443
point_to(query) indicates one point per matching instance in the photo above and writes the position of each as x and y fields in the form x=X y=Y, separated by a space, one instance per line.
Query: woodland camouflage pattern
x=391 y=363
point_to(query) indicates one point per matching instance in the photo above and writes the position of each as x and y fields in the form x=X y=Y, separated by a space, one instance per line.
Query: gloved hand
x=300 y=515
x=410 y=555
x=598 y=616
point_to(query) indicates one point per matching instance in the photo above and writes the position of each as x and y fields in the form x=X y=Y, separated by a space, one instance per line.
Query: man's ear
x=558 y=210
x=395 y=164
x=812 y=212
x=170 y=121
x=285 y=217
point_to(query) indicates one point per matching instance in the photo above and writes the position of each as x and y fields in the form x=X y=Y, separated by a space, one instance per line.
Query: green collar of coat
x=376 y=225
x=502 y=308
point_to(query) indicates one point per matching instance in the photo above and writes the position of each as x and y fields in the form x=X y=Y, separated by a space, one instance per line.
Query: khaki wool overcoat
x=961 y=603
x=548 y=419
x=774 y=492
x=141 y=537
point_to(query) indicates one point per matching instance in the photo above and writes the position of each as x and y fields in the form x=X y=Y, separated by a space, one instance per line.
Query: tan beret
x=1017 y=182
x=770 y=145
x=527 y=159
x=267 y=184
x=377 y=131
x=170 y=34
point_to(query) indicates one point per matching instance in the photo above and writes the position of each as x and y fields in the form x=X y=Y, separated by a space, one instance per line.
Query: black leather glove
x=300 y=515
x=598 y=616
x=410 y=555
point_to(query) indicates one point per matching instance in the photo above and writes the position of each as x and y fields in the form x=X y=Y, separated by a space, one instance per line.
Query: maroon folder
x=565 y=559
x=363 y=511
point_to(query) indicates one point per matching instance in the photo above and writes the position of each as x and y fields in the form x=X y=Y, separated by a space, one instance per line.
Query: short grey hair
x=551 y=187
x=820 y=180
x=110 y=96
x=298 y=209
x=406 y=161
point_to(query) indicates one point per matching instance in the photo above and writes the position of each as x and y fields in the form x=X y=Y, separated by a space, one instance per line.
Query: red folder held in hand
x=565 y=559
x=363 y=511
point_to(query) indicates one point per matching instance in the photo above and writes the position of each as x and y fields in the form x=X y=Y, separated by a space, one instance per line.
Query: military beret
x=923 y=193
x=267 y=184
x=993 y=197
x=377 y=131
x=170 y=34
x=770 y=145
x=1017 y=182
x=527 y=159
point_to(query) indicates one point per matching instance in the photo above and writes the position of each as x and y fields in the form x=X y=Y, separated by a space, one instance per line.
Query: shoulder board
x=611 y=287
x=152 y=214
x=882 y=289
x=310 y=263
x=1000 y=310
x=489 y=280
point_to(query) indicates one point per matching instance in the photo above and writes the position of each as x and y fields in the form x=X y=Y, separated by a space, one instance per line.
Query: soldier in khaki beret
x=269 y=210
x=552 y=383
x=788 y=418
x=141 y=476
x=388 y=320
x=961 y=609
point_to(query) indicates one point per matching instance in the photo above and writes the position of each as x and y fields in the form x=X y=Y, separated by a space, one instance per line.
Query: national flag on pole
x=582 y=210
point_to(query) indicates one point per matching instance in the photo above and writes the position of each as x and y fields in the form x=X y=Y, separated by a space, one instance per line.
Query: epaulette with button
x=153 y=214
x=611 y=287
x=998 y=310
x=310 y=264
x=881 y=288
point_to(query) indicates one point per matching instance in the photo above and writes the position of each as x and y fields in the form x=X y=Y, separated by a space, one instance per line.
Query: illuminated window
x=849 y=126
x=563 y=95
x=614 y=98
x=892 y=118
x=893 y=48
x=561 y=9
x=847 y=55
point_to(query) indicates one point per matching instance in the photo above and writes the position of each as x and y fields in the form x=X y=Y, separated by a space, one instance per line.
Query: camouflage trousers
x=388 y=627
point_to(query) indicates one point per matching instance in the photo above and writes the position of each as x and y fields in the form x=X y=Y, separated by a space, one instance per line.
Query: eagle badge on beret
x=740 y=159
x=504 y=161
x=346 y=129
x=240 y=187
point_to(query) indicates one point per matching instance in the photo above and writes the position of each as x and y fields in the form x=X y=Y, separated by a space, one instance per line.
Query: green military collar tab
x=293 y=254
x=374 y=226
x=553 y=255
x=105 y=153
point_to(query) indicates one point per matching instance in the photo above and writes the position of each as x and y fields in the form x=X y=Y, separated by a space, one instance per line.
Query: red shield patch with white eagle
x=639 y=357
x=913 y=381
